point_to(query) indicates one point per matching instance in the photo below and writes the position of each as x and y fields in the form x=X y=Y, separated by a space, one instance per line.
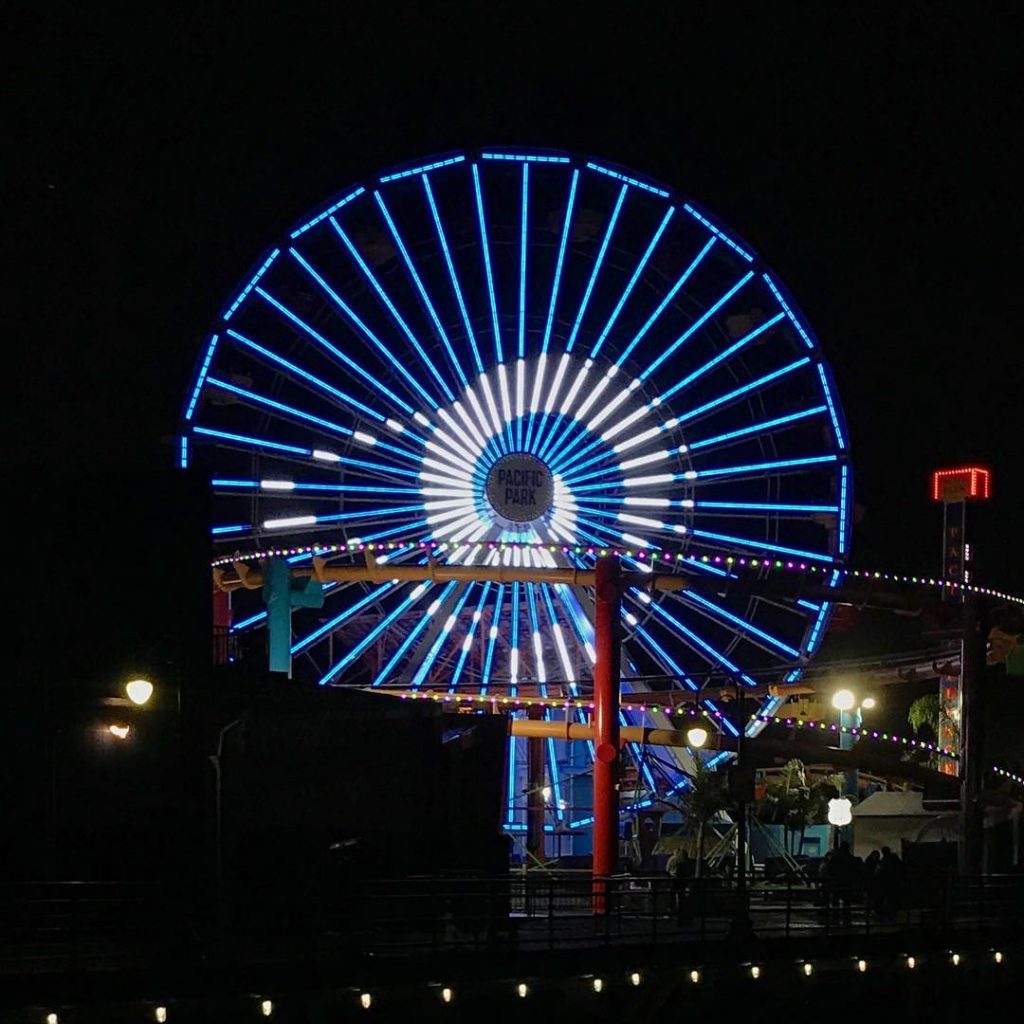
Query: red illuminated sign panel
x=966 y=483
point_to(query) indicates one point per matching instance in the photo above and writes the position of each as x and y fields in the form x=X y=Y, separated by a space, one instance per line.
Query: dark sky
x=871 y=157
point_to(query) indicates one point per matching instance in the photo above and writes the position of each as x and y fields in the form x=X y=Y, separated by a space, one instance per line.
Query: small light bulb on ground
x=862 y=966
x=51 y=1018
x=998 y=957
x=522 y=990
x=598 y=984
x=695 y=977
x=365 y=1000
x=635 y=978
x=755 y=972
x=160 y=1014
x=911 y=963
x=446 y=995
x=266 y=1007
x=955 y=958
x=808 y=970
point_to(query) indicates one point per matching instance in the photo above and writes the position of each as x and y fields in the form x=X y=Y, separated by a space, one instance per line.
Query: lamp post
x=850 y=717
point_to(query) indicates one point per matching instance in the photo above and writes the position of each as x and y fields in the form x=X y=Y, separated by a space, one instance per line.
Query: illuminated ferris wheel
x=522 y=358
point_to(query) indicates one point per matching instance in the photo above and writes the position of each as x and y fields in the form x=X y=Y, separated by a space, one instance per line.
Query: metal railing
x=51 y=923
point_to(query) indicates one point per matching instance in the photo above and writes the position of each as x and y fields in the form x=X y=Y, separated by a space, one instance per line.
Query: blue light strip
x=757 y=467
x=761 y=545
x=717 y=232
x=569 y=206
x=528 y=157
x=789 y=313
x=485 y=247
x=393 y=310
x=738 y=392
x=523 y=235
x=756 y=428
x=370 y=379
x=470 y=634
x=809 y=605
x=306 y=375
x=233 y=528
x=255 y=442
x=183 y=452
x=843 y=506
x=597 y=267
x=722 y=356
x=632 y=282
x=369 y=638
x=442 y=636
x=492 y=638
x=326 y=213
x=702 y=644
x=288 y=410
x=664 y=657
x=345 y=517
x=237 y=627
x=514 y=615
x=331 y=488
x=696 y=325
x=203 y=370
x=767 y=506
x=422 y=169
x=252 y=284
x=327 y=627
x=424 y=295
x=840 y=440
x=736 y=620
x=410 y=639
x=451 y=268
x=365 y=329
x=628 y=180
x=684 y=277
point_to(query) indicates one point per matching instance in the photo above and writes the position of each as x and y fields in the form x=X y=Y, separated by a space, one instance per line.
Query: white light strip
x=574 y=390
x=643 y=460
x=278 y=485
x=646 y=481
x=282 y=524
x=556 y=386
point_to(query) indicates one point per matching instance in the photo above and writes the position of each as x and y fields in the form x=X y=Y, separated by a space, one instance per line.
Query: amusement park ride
x=522 y=423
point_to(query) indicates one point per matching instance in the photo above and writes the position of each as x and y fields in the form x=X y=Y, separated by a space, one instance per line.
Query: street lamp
x=139 y=691
x=696 y=737
x=119 y=730
x=844 y=700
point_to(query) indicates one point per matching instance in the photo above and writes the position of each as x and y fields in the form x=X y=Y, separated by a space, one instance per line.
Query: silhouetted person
x=843 y=872
x=890 y=881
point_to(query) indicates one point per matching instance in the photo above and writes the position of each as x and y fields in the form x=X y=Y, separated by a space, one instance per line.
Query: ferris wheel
x=522 y=358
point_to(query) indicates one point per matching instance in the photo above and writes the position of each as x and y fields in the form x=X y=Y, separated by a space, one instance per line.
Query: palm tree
x=705 y=798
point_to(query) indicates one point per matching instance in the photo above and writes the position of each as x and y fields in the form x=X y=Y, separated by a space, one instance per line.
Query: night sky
x=872 y=158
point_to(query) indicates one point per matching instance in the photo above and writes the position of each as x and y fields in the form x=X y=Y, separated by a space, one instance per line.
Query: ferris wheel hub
x=520 y=488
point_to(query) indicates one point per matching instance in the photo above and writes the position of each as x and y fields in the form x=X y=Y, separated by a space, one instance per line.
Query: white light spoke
x=644 y=460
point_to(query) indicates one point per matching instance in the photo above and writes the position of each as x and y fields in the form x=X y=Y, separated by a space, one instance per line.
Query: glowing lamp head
x=635 y=979
x=446 y=995
x=522 y=990
x=840 y=811
x=843 y=700
x=598 y=984
x=266 y=1007
x=365 y=1000
x=119 y=730
x=868 y=703
x=808 y=970
x=696 y=737
x=695 y=977
x=160 y=1015
x=546 y=792
x=139 y=691
x=755 y=972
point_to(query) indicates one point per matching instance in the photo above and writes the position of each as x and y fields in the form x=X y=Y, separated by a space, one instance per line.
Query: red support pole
x=535 y=804
x=606 y=724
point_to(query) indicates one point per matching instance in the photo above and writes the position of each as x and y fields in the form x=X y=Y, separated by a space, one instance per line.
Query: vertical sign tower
x=955 y=488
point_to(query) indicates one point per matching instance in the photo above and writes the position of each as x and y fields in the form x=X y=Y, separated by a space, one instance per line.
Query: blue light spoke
x=698 y=643
x=696 y=325
x=328 y=627
x=523 y=237
x=764 y=467
x=422 y=169
x=245 y=623
x=485 y=248
x=760 y=545
x=844 y=493
x=253 y=442
x=670 y=295
x=789 y=312
x=307 y=376
x=424 y=294
x=632 y=282
x=739 y=392
x=766 y=506
x=721 y=357
x=756 y=428
x=748 y=627
x=287 y=410
x=442 y=238
x=368 y=377
x=363 y=329
x=492 y=638
x=425 y=360
x=468 y=640
x=443 y=634
x=597 y=267
x=628 y=180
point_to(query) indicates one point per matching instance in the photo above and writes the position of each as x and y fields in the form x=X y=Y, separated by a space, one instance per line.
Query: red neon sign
x=966 y=483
